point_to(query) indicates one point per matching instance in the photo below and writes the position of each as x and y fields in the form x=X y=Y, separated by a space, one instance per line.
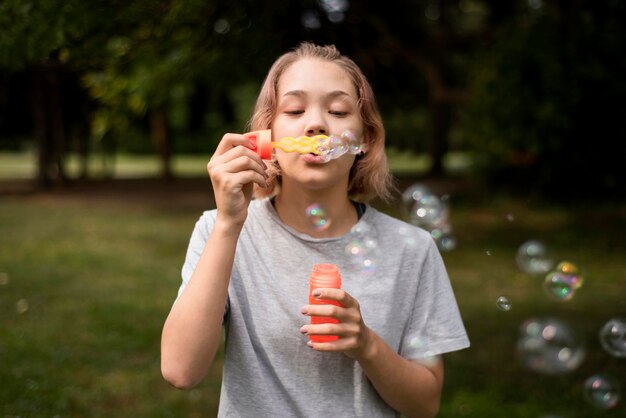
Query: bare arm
x=410 y=387
x=192 y=330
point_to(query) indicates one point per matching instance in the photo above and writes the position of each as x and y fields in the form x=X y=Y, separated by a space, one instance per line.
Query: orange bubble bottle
x=323 y=276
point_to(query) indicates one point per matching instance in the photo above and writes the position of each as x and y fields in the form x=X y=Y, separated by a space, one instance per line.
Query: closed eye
x=294 y=112
x=337 y=113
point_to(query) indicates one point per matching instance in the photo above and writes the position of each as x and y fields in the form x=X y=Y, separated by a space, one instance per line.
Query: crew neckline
x=267 y=205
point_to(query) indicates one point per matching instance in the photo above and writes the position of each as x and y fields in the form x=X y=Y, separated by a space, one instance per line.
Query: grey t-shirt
x=392 y=268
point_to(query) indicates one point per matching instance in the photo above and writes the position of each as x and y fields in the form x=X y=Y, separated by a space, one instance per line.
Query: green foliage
x=543 y=101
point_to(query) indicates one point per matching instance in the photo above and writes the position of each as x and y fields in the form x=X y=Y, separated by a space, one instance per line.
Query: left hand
x=354 y=335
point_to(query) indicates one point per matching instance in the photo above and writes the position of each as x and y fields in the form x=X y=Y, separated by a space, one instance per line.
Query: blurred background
x=505 y=124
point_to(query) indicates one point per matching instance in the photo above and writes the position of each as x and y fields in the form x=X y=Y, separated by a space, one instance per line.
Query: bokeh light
x=549 y=346
x=613 y=337
x=602 y=391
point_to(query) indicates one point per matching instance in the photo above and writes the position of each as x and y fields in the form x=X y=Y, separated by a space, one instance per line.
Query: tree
x=543 y=112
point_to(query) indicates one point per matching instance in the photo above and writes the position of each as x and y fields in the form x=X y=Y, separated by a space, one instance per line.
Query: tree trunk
x=440 y=128
x=160 y=136
x=48 y=127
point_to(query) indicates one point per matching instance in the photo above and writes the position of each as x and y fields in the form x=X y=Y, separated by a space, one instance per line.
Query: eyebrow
x=333 y=94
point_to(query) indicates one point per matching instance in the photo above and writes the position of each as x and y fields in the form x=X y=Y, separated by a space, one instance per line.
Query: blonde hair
x=369 y=175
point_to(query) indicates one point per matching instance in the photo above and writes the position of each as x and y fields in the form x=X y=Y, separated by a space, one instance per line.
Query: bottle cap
x=263 y=141
x=325 y=275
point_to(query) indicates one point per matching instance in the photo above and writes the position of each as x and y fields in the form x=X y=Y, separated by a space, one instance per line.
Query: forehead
x=314 y=75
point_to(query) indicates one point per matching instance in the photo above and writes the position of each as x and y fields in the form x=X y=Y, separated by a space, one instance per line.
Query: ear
x=365 y=148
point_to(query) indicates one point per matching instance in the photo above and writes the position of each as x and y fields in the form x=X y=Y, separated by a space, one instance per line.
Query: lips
x=313 y=159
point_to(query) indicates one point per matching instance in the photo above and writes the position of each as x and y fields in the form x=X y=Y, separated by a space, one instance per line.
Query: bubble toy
x=329 y=147
x=328 y=276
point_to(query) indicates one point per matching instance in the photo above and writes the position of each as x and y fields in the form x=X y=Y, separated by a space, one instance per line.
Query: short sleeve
x=435 y=326
x=198 y=240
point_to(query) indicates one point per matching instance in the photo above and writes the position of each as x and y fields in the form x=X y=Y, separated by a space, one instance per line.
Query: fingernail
x=304 y=329
x=304 y=310
x=309 y=343
x=316 y=292
x=252 y=145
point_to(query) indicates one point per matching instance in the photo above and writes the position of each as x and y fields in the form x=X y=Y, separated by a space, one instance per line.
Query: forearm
x=192 y=331
x=407 y=386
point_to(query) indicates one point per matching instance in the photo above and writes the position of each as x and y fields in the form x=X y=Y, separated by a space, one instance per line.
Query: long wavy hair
x=369 y=175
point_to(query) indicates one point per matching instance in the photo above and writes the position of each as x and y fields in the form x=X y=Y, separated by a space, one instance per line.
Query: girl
x=249 y=260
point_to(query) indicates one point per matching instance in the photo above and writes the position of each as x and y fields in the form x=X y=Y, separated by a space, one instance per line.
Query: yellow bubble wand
x=302 y=144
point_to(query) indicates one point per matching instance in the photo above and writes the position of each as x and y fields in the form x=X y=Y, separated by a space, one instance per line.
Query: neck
x=340 y=214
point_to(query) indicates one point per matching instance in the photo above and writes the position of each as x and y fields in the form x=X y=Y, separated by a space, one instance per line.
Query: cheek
x=285 y=158
x=346 y=161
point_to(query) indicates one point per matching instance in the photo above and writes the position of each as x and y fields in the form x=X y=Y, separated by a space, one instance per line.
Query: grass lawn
x=22 y=165
x=86 y=282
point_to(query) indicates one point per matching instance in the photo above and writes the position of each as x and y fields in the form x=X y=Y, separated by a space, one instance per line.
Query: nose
x=313 y=130
x=316 y=125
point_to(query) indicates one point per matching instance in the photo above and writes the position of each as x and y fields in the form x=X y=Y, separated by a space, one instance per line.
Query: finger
x=230 y=140
x=236 y=181
x=342 y=344
x=340 y=329
x=242 y=163
x=332 y=311
x=235 y=153
x=339 y=295
x=220 y=170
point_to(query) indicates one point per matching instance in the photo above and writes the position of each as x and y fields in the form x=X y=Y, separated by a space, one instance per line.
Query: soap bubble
x=413 y=194
x=317 y=216
x=549 y=346
x=443 y=237
x=503 y=303
x=362 y=250
x=337 y=146
x=562 y=283
x=428 y=357
x=334 y=146
x=613 y=337
x=407 y=235
x=429 y=210
x=354 y=145
x=533 y=257
x=362 y=254
x=602 y=391
x=424 y=209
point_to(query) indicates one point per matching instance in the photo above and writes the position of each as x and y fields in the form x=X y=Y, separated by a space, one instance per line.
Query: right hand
x=233 y=169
